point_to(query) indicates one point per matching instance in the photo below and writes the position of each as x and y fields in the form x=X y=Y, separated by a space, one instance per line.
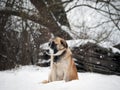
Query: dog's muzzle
x=52 y=48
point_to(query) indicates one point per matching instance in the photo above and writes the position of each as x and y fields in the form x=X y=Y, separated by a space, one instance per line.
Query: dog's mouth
x=50 y=51
x=52 y=48
x=54 y=52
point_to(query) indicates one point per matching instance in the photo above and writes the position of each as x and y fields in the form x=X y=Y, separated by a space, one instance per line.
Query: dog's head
x=57 y=45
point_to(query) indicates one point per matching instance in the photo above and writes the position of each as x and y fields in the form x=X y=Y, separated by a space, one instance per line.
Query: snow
x=108 y=45
x=30 y=77
x=78 y=42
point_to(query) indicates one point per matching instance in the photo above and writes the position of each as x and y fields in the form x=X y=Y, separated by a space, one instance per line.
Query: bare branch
x=109 y=3
x=110 y=16
x=98 y=25
x=86 y=5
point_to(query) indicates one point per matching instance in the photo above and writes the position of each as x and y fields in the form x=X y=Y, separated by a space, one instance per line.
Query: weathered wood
x=97 y=59
x=117 y=46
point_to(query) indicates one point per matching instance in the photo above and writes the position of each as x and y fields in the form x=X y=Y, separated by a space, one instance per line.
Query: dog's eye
x=52 y=43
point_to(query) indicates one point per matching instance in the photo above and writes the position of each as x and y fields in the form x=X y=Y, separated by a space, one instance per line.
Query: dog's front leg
x=51 y=61
x=66 y=76
x=52 y=75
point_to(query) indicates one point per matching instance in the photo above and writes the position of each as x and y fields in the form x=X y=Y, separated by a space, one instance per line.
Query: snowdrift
x=30 y=77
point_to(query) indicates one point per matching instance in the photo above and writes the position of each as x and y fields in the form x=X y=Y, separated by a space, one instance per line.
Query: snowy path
x=29 y=78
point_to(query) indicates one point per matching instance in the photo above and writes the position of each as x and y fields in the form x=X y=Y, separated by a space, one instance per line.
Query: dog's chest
x=60 y=69
x=62 y=65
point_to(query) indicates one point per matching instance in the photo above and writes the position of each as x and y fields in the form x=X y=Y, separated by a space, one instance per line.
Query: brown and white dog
x=61 y=64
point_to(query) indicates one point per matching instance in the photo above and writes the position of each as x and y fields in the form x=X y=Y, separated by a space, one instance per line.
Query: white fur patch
x=56 y=54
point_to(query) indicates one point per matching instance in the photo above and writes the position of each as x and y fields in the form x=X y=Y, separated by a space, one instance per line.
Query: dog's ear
x=64 y=43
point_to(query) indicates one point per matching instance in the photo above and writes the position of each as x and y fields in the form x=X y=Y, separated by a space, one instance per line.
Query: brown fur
x=65 y=68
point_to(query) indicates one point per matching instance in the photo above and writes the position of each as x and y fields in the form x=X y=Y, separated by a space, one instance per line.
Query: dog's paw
x=45 y=81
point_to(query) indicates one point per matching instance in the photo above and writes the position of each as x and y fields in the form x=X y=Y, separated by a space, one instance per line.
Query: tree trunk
x=5 y=60
x=49 y=18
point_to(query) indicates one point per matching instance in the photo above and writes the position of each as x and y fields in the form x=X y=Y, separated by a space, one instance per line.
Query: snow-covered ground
x=30 y=77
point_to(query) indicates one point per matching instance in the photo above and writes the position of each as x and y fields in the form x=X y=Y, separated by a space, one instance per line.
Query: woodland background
x=25 y=25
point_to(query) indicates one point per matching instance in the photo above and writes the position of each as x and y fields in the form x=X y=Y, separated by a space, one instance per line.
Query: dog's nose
x=47 y=51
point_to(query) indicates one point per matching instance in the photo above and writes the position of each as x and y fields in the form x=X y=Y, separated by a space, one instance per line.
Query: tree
x=23 y=28
x=104 y=16
x=5 y=40
x=50 y=14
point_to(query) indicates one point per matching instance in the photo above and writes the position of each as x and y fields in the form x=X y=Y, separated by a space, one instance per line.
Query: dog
x=61 y=63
